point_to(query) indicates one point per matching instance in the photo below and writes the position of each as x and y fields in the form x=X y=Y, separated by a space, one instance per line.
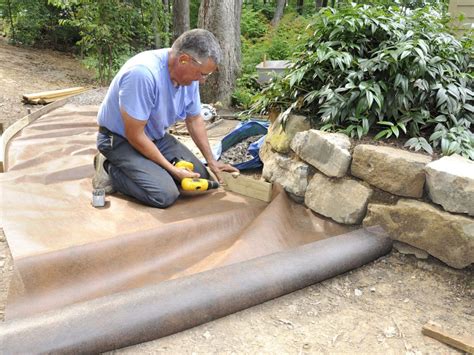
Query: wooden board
x=54 y=93
x=247 y=186
x=464 y=343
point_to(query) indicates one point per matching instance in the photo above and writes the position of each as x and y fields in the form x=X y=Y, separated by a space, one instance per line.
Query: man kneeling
x=152 y=91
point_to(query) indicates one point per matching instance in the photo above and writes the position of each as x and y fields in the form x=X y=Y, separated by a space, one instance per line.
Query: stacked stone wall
x=430 y=204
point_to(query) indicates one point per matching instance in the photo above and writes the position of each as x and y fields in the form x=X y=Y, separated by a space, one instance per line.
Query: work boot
x=101 y=179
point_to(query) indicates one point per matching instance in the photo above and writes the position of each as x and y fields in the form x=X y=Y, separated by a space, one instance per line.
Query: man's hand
x=180 y=173
x=217 y=167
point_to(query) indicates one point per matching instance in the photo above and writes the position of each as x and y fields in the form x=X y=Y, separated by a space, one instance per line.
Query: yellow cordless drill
x=194 y=184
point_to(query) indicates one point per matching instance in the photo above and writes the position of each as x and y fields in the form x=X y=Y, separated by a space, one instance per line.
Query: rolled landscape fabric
x=155 y=311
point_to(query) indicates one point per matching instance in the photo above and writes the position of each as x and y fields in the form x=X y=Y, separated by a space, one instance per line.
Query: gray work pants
x=135 y=175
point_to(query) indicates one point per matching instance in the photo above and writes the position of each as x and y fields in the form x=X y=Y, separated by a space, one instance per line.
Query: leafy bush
x=275 y=44
x=113 y=30
x=245 y=90
x=36 y=23
x=289 y=37
x=265 y=8
x=378 y=70
x=253 y=25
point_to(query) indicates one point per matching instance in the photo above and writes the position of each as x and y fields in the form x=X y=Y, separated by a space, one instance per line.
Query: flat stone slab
x=291 y=174
x=393 y=170
x=446 y=236
x=450 y=183
x=343 y=200
x=279 y=136
x=327 y=152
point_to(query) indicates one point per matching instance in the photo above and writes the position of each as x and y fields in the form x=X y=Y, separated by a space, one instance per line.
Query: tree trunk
x=299 y=6
x=222 y=17
x=280 y=6
x=166 y=10
x=180 y=17
x=10 y=15
x=156 y=32
x=318 y=4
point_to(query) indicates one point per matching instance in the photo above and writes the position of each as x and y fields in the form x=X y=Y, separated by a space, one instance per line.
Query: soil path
x=26 y=70
x=380 y=307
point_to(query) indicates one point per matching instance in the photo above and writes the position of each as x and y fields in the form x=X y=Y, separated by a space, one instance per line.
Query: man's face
x=192 y=69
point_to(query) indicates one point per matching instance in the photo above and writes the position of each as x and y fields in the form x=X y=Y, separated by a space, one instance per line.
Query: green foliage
x=289 y=36
x=407 y=4
x=107 y=32
x=194 y=12
x=383 y=71
x=264 y=8
x=274 y=44
x=105 y=29
x=245 y=90
x=36 y=23
x=29 y=21
x=253 y=25
x=111 y=31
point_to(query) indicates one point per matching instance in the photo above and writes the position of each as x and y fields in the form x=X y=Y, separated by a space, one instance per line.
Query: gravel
x=91 y=97
x=239 y=152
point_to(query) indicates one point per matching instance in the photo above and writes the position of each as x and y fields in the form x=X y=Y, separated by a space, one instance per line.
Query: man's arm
x=135 y=133
x=197 y=129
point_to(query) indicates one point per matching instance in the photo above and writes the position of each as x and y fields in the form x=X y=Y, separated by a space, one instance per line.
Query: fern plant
x=369 y=69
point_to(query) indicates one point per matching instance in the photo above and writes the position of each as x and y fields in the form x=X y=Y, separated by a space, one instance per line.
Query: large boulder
x=279 y=136
x=343 y=200
x=393 y=170
x=265 y=151
x=291 y=174
x=327 y=152
x=446 y=236
x=450 y=183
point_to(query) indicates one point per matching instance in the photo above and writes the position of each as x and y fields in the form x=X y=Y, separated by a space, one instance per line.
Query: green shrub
x=247 y=85
x=266 y=9
x=253 y=25
x=36 y=23
x=289 y=37
x=276 y=44
x=369 y=69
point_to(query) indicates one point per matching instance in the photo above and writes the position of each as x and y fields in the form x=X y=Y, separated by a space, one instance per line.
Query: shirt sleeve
x=194 y=106
x=137 y=92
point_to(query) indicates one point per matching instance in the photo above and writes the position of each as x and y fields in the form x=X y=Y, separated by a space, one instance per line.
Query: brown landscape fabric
x=67 y=252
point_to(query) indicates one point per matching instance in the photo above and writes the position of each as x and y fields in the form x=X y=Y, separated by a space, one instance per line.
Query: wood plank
x=54 y=93
x=247 y=186
x=464 y=343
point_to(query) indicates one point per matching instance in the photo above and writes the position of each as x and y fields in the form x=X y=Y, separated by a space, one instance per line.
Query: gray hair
x=200 y=44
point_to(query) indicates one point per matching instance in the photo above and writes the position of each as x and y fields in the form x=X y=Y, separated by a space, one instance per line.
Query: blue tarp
x=242 y=131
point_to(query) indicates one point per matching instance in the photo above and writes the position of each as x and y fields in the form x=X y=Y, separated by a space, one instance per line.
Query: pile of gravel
x=91 y=97
x=239 y=152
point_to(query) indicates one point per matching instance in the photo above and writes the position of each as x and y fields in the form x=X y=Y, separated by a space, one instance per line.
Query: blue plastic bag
x=241 y=132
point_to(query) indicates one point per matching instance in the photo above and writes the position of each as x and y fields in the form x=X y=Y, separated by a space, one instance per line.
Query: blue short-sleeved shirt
x=143 y=88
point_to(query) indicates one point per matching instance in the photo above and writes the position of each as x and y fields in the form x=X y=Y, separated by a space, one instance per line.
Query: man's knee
x=162 y=199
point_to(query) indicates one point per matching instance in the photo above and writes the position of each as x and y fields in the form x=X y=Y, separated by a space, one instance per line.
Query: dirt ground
x=380 y=307
x=26 y=70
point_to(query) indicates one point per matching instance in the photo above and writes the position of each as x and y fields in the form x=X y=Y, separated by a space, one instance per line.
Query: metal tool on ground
x=98 y=197
x=193 y=184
